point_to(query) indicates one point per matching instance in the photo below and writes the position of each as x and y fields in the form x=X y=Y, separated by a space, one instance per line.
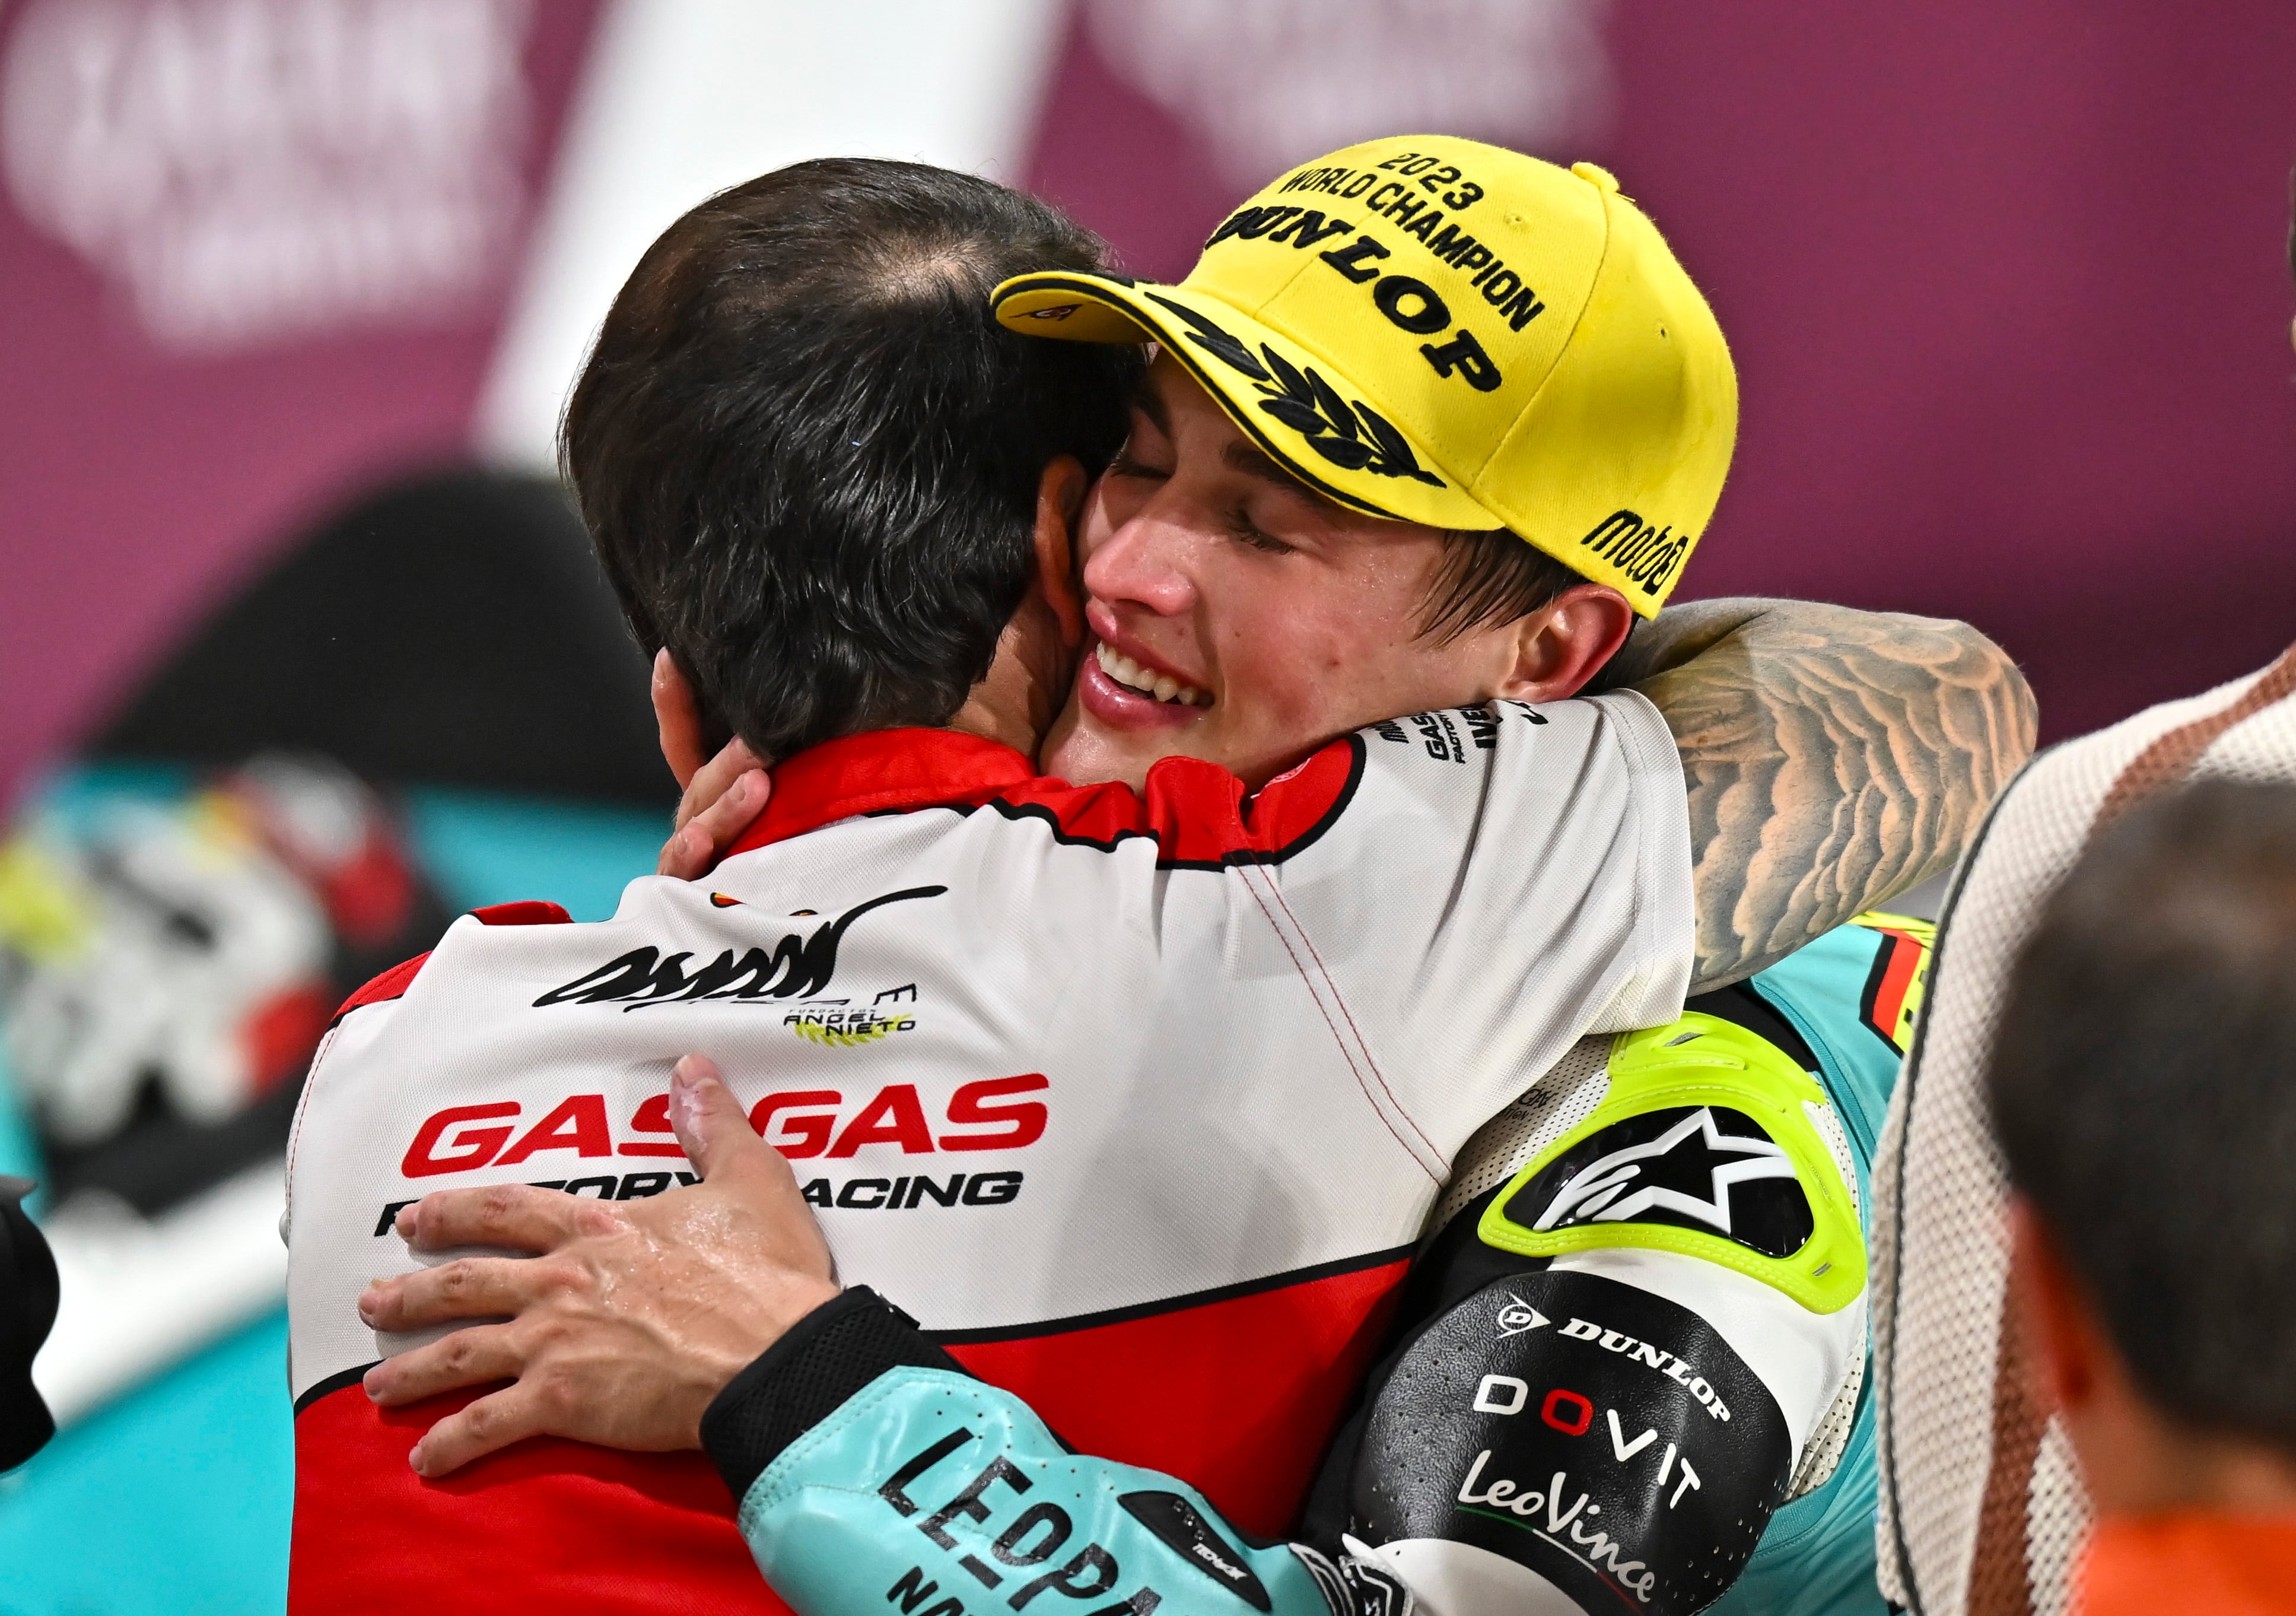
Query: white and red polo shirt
x=1136 y=1103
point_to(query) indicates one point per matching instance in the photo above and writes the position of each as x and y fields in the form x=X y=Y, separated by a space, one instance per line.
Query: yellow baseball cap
x=1452 y=333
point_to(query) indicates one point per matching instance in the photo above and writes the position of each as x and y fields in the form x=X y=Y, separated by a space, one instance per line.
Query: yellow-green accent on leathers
x=1726 y=1065
x=1881 y=920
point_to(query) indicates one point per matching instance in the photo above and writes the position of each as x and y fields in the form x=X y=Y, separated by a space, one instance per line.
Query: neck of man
x=1014 y=702
x=2147 y=1463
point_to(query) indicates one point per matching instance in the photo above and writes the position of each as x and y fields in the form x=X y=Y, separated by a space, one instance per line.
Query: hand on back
x=725 y=796
x=626 y=1318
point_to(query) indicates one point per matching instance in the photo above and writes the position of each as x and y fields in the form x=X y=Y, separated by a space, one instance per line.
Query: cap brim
x=1303 y=410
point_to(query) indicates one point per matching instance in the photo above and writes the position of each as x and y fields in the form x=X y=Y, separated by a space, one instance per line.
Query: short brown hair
x=1486 y=578
x=808 y=455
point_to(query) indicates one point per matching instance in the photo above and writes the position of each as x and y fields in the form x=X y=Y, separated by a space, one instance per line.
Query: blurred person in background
x=1982 y=1507
x=2140 y=1087
x=1189 y=478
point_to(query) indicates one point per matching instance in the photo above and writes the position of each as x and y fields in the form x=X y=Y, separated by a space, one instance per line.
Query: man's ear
x=2063 y=1338
x=1060 y=495
x=1564 y=643
x=678 y=717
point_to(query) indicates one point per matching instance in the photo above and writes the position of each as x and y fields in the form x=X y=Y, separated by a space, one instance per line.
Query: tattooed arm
x=1834 y=759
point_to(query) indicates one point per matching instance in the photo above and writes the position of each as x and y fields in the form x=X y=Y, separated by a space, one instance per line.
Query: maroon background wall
x=204 y=341
x=2007 y=286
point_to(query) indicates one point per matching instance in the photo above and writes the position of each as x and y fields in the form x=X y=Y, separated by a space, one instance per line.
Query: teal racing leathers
x=1628 y=1369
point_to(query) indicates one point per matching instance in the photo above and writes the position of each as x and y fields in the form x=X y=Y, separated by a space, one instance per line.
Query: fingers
x=471 y=1287
x=704 y=835
x=712 y=1127
x=711 y=781
x=515 y=1217
x=492 y=1422
x=685 y=855
x=472 y=1357
x=728 y=1153
x=716 y=777
x=725 y=820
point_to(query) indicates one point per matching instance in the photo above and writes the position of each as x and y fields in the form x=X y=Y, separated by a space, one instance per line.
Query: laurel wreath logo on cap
x=1302 y=400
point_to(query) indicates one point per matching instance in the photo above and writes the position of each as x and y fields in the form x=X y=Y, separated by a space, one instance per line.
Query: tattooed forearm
x=1834 y=759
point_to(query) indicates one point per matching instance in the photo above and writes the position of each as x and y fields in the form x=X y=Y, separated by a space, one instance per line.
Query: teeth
x=1163 y=687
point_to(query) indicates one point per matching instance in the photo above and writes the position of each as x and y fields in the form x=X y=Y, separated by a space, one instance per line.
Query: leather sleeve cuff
x=802 y=1379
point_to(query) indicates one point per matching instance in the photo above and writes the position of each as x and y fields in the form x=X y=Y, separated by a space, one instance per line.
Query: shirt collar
x=2228 y=1563
x=884 y=769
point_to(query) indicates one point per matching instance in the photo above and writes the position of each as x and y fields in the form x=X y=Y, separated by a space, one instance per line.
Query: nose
x=1144 y=562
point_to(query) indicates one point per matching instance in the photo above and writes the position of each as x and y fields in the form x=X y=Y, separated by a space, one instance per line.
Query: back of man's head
x=2144 y=1089
x=808 y=455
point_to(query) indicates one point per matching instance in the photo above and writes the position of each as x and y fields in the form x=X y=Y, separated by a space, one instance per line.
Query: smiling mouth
x=1146 y=682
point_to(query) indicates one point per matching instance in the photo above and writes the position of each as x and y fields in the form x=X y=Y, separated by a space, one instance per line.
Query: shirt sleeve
x=1498 y=882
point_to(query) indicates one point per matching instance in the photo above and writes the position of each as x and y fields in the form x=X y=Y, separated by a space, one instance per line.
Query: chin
x=1074 y=753
x=1078 y=751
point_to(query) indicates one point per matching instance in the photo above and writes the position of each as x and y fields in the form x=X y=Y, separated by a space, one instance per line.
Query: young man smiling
x=1199 y=1063
x=1211 y=572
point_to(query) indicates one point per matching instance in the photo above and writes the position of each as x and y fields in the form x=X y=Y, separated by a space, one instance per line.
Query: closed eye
x=1244 y=530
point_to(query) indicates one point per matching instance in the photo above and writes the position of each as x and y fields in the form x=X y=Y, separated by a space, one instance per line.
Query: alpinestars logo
x=1704 y=1167
x=799 y=965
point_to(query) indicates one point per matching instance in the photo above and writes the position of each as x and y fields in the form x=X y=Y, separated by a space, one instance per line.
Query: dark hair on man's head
x=809 y=457
x=2143 y=1090
x=1485 y=579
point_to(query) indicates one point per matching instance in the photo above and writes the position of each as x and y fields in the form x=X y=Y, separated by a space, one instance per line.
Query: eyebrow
x=1251 y=461
x=1242 y=455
